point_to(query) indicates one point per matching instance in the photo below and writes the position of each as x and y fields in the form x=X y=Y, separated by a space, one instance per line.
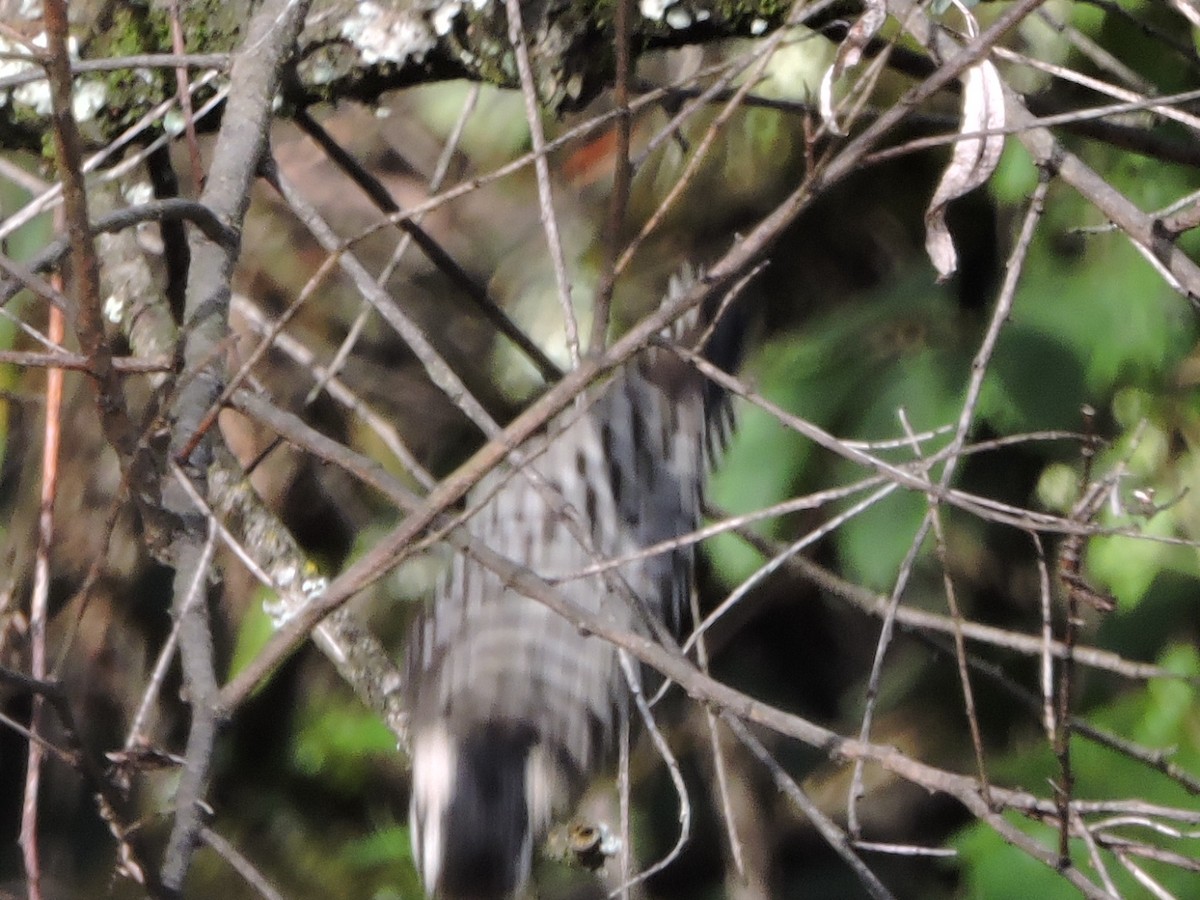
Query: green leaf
x=1128 y=566
x=1163 y=716
x=848 y=372
x=254 y=630
x=334 y=740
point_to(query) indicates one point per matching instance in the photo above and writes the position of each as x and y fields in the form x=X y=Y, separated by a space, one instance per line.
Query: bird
x=513 y=708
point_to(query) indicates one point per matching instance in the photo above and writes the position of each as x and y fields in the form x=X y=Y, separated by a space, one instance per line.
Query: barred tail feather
x=513 y=708
x=479 y=803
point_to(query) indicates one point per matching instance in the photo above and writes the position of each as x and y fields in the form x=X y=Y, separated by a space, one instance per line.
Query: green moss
x=740 y=13
x=137 y=27
x=133 y=29
x=21 y=121
x=214 y=27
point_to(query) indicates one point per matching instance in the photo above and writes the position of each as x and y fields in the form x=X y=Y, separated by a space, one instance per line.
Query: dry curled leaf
x=849 y=52
x=975 y=154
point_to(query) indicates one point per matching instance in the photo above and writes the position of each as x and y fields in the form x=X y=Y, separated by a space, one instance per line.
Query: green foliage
x=340 y=755
x=335 y=740
x=1129 y=566
x=1165 y=715
x=1091 y=322
x=254 y=630
x=385 y=859
x=847 y=372
x=331 y=860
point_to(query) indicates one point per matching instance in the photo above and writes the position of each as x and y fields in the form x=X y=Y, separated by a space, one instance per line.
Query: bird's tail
x=479 y=802
x=513 y=707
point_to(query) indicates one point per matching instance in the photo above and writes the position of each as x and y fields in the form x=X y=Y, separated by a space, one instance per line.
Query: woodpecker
x=513 y=708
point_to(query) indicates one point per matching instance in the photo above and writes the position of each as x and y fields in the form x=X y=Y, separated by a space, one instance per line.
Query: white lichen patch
x=35 y=95
x=173 y=122
x=13 y=64
x=279 y=611
x=114 y=309
x=297 y=587
x=675 y=14
x=286 y=576
x=442 y=18
x=679 y=18
x=125 y=276
x=387 y=35
x=89 y=98
x=313 y=586
x=135 y=193
x=322 y=73
x=654 y=10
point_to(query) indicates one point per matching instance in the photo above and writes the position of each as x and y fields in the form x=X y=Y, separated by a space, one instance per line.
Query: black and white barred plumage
x=513 y=709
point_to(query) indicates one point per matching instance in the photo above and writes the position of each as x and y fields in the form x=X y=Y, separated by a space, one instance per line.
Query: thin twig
x=906 y=849
x=1143 y=878
x=1097 y=54
x=781 y=557
x=857 y=789
x=624 y=809
x=52 y=195
x=833 y=835
x=923 y=620
x=541 y=168
x=256 y=74
x=1081 y=828
x=128 y=365
x=235 y=381
x=171 y=209
x=38 y=611
x=979 y=368
x=435 y=365
x=956 y=616
x=718 y=757
x=337 y=389
x=183 y=79
x=1158 y=760
x=983 y=507
x=240 y=864
x=691 y=169
x=1064 y=789
x=449 y=149
x=1046 y=669
x=118 y=63
x=618 y=200
x=166 y=655
x=435 y=252
x=633 y=680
